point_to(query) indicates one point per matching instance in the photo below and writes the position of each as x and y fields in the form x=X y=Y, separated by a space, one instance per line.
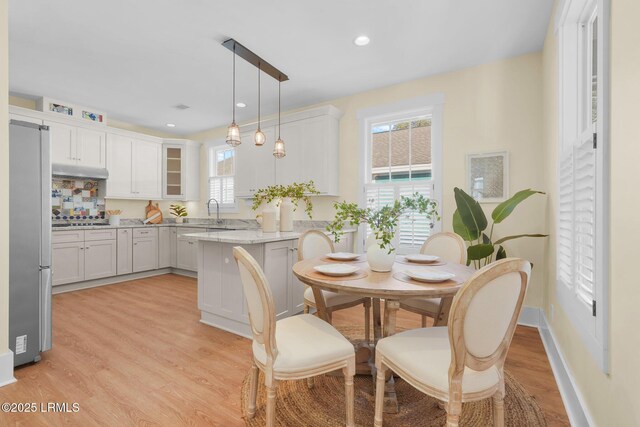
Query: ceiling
x=137 y=60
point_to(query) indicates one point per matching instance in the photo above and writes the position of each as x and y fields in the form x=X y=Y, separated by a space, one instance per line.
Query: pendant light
x=259 y=138
x=233 y=133
x=278 y=149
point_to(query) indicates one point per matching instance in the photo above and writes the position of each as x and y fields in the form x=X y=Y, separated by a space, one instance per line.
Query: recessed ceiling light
x=171 y=125
x=361 y=41
x=241 y=105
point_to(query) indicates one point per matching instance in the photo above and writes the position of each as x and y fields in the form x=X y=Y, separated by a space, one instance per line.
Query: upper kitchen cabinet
x=72 y=145
x=180 y=169
x=311 y=140
x=134 y=168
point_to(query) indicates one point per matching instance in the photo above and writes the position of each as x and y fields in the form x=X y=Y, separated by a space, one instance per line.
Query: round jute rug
x=323 y=405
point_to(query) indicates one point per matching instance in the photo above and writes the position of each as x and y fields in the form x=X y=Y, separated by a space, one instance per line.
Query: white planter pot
x=179 y=220
x=379 y=259
x=269 y=222
x=286 y=214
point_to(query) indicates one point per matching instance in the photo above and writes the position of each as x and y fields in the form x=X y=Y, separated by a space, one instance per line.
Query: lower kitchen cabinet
x=125 y=251
x=67 y=262
x=165 y=236
x=187 y=249
x=145 y=249
x=100 y=259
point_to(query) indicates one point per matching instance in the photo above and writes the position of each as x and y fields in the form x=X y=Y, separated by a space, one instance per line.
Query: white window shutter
x=565 y=221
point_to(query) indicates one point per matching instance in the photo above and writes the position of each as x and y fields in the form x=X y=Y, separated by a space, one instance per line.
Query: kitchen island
x=220 y=296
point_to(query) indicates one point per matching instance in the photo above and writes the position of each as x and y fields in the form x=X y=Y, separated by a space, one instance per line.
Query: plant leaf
x=501 y=254
x=517 y=236
x=504 y=209
x=485 y=239
x=460 y=229
x=471 y=213
x=481 y=251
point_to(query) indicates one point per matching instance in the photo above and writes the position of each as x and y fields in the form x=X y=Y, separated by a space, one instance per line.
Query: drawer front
x=110 y=234
x=189 y=230
x=145 y=232
x=67 y=236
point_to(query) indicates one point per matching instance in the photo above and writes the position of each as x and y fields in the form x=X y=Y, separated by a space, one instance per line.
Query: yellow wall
x=497 y=106
x=4 y=177
x=612 y=400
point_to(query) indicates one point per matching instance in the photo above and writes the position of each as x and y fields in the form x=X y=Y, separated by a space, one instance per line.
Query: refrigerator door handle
x=45 y=310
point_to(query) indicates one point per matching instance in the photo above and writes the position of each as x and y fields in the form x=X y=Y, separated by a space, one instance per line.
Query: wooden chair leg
x=253 y=391
x=330 y=317
x=349 y=372
x=305 y=310
x=367 y=320
x=380 y=383
x=311 y=382
x=271 y=402
x=453 y=413
x=498 y=409
x=424 y=321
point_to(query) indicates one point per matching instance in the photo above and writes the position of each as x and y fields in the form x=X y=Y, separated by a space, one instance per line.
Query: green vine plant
x=470 y=222
x=383 y=221
x=178 y=210
x=296 y=191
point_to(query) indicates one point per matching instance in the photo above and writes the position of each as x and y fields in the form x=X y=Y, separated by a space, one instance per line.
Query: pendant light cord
x=234 y=83
x=258 y=95
x=279 y=106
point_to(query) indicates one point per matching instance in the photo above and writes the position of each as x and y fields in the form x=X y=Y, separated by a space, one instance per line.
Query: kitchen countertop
x=249 y=237
x=235 y=224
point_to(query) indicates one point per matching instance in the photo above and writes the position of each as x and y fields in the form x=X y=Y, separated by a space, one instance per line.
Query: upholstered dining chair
x=464 y=361
x=314 y=243
x=292 y=348
x=450 y=248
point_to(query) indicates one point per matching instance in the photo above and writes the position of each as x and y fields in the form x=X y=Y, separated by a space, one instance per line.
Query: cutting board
x=153 y=210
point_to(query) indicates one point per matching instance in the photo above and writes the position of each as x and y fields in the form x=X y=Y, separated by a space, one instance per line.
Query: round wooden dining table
x=390 y=287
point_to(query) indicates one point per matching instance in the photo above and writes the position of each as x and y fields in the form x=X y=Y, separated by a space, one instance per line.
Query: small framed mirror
x=488 y=176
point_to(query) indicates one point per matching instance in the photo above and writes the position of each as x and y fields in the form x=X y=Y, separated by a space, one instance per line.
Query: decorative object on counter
x=114 y=217
x=76 y=199
x=154 y=214
x=269 y=221
x=470 y=222
x=179 y=212
x=233 y=132
x=383 y=223
x=287 y=197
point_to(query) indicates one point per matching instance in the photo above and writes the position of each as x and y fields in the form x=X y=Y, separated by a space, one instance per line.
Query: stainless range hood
x=72 y=171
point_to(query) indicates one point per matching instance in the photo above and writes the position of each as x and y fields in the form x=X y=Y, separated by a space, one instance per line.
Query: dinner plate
x=342 y=256
x=421 y=258
x=430 y=276
x=336 y=270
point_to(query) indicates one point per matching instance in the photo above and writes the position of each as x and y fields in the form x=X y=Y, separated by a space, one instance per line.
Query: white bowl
x=430 y=276
x=336 y=270
x=342 y=256
x=422 y=258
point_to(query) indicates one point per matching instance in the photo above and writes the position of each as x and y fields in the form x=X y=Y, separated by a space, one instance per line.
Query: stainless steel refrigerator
x=29 y=241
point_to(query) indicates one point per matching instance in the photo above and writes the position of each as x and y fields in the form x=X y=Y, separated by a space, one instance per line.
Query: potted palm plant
x=383 y=223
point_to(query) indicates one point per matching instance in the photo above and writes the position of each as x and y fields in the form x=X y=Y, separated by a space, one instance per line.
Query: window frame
x=213 y=148
x=431 y=105
x=574 y=124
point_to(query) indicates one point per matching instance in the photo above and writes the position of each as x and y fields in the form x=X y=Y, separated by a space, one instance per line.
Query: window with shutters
x=400 y=159
x=582 y=245
x=221 y=176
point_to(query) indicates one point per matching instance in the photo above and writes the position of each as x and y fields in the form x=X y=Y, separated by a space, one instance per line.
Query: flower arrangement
x=296 y=192
x=178 y=211
x=383 y=221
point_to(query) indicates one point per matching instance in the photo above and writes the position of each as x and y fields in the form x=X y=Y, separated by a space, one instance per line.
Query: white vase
x=286 y=214
x=380 y=259
x=179 y=220
x=269 y=223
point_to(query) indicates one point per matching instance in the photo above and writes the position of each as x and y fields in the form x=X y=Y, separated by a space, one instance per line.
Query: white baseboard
x=6 y=368
x=571 y=396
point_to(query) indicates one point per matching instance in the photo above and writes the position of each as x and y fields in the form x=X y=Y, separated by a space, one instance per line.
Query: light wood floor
x=135 y=354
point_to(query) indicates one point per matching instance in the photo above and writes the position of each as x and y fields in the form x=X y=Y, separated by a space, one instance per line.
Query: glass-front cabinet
x=181 y=168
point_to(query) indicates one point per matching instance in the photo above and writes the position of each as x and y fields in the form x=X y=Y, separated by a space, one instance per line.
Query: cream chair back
x=484 y=314
x=448 y=246
x=262 y=318
x=314 y=243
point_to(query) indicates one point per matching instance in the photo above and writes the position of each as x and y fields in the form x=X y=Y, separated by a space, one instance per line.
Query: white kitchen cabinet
x=22 y=118
x=134 y=168
x=125 y=251
x=100 y=259
x=67 y=262
x=187 y=249
x=255 y=166
x=287 y=291
x=73 y=145
x=164 y=247
x=180 y=169
x=145 y=249
x=91 y=148
x=174 y=247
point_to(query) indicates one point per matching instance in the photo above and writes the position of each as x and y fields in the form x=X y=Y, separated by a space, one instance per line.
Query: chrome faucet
x=217 y=209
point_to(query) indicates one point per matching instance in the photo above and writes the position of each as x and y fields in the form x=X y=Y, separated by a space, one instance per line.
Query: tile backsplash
x=76 y=199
